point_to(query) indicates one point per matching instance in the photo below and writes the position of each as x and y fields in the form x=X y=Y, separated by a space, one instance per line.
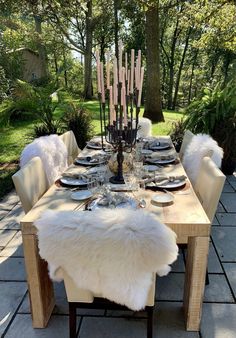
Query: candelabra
x=120 y=106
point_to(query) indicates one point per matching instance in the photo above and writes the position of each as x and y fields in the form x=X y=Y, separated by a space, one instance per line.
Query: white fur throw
x=53 y=153
x=109 y=252
x=201 y=145
x=145 y=129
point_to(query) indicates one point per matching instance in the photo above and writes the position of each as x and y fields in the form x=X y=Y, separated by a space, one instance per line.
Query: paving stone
x=213 y=261
x=12 y=269
x=170 y=287
x=231 y=178
x=178 y=266
x=168 y=322
x=230 y=270
x=229 y=201
x=220 y=208
x=58 y=327
x=218 y=290
x=61 y=304
x=218 y=321
x=11 y=295
x=14 y=248
x=3 y=213
x=13 y=218
x=215 y=221
x=233 y=184
x=227 y=219
x=10 y=199
x=6 y=236
x=225 y=242
x=228 y=187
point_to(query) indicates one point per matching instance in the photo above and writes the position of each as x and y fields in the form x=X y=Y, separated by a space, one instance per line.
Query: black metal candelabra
x=121 y=133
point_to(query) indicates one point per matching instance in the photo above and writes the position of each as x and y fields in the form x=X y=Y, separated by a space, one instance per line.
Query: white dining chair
x=200 y=146
x=108 y=255
x=72 y=148
x=188 y=135
x=30 y=183
x=53 y=153
x=209 y=185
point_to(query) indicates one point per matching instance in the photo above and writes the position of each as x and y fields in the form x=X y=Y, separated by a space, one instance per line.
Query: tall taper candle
x=124 y=107
x=140 y=87
x=132 y=72
x=98 y=71
x=120 y=61
x=115 y=81
x=102 y=83
x=111 y=106
x=108 y=70
x=126 y=66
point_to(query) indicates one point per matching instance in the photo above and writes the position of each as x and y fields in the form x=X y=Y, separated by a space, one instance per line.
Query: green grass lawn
x=14 y=138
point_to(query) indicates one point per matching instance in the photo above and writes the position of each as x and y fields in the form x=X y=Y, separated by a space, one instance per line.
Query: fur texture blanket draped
x=110 y=252
x=201 y=145
x=53 y=153
x=145 y=127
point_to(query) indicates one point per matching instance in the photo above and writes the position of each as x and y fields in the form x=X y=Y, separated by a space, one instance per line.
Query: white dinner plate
x=73 y=181
x=81 y=195
x=162 y=161
x=146 y=151
x=97 y=170
x=171 y=185
x=161 y=146
x=150 y=167
x=162 y=199
x=88 y=163
x=94 y=146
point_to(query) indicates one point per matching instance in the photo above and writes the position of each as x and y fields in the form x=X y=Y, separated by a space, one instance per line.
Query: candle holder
x=119 y=117
x=122 y=137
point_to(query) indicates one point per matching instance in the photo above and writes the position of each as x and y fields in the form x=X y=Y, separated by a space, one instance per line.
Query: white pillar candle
x=140 y=87
x=132 y=72
x=102 y=83
x=108 y=70
x=98 y=71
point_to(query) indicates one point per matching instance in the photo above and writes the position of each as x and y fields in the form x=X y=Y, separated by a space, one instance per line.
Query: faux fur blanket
x=110 y=252
x=145 y=129
x=201 y=145
x=53 y=153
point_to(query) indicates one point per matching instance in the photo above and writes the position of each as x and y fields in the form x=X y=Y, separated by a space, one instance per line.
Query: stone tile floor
x=219 y=307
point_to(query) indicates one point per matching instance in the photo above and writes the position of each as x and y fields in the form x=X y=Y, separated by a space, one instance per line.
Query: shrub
x=79 y=120
x=177 y=133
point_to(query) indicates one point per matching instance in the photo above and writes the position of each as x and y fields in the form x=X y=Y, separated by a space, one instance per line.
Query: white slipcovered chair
x=53 y=153
x=209 y=185
x=30 y=183
x=188 y=135
x=145 y=127
x=200 y=146
x=106 y=254
x=72 y=148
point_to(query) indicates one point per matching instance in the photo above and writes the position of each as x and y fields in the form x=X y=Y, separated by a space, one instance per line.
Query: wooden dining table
x=186 y=217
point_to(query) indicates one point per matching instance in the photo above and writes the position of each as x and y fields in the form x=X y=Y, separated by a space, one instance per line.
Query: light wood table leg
x=195 y=275
x=40 y=286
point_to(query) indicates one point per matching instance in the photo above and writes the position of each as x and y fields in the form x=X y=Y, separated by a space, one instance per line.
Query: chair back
x=209 y=185
x=73 y=150
x=188 y=135
x=30 y=183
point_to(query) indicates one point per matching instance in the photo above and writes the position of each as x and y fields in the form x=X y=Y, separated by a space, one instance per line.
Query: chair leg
x=72 y=319
x=149 y=321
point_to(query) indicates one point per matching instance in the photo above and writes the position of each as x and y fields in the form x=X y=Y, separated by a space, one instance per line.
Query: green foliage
x=177 y=133
x=79 y=120
x=215 y=114
x=4 y=85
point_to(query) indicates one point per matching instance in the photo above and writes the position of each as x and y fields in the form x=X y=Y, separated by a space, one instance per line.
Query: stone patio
x=219 y=308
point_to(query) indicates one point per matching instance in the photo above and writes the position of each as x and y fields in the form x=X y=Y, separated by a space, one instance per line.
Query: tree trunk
x=153 y=109
x=56 y=67
x=116 y=25
x=171 y=67
x=65 y=71
x=180 y=69
x=40 y=46
x=191 y=77
x=88 y=53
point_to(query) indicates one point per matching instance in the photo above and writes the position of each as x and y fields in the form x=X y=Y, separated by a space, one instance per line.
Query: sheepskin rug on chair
x=113 y=253
x=53 y=153
x=145 y=127
x=201 y=145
